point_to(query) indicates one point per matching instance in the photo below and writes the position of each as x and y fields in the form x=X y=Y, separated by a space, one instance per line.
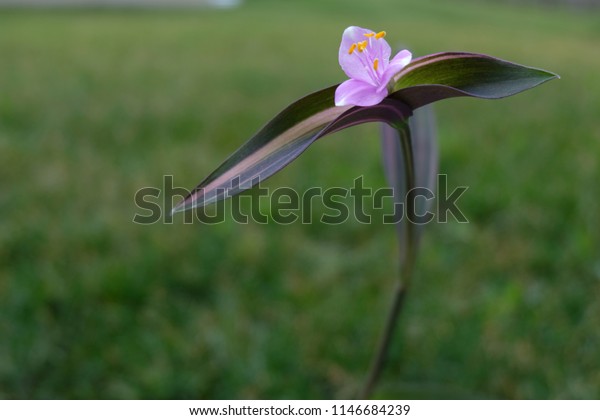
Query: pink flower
x=365 y=57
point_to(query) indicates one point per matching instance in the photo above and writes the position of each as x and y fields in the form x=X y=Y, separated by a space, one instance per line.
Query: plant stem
x=378 y=362
x=406 y=270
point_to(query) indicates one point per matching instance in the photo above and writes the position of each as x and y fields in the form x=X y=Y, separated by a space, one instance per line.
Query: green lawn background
x=95 y=105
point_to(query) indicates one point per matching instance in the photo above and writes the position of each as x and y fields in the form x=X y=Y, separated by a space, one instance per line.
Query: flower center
x=371 y=63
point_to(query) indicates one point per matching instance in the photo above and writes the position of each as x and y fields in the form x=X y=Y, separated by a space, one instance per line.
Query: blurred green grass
x=95 y=105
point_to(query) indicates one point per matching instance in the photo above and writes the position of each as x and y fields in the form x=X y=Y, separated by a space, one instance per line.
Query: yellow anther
x=352 y=48
x=370 y=35
x=375 y=64
x=380 y=35
x=361 y=46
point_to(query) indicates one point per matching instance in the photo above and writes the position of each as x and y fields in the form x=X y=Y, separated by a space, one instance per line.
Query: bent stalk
x=406 y=270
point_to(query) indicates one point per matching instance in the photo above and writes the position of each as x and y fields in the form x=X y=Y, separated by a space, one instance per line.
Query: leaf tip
x=180 y=207
x=549 y=75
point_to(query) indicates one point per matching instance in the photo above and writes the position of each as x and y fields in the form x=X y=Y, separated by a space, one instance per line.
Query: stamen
x=375 y=64
x=352 y=48
x=380 y=35
x=361 y=46
x=370 y=35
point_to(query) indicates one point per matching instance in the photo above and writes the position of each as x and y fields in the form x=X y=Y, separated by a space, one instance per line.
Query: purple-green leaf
x=276 y=144
x=283 y=139
x=423 y=137
x=452 y=74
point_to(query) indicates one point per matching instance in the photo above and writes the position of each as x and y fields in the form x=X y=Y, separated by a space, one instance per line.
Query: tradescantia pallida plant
x=379 y=89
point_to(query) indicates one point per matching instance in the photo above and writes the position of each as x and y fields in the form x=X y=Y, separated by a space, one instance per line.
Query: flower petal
x=399 y=61
x=353 y=64
x=380 y=49
x=357 y=92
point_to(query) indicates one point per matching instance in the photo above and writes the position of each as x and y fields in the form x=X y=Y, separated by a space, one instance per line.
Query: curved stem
x=378 y=362
x=380 y=358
